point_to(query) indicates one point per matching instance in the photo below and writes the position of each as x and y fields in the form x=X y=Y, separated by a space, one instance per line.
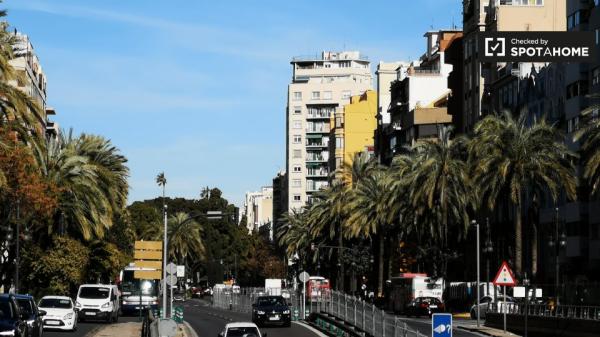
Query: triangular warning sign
x=505 y=276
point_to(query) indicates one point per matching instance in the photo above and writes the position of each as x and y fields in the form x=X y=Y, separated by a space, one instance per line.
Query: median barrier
x=538 y=326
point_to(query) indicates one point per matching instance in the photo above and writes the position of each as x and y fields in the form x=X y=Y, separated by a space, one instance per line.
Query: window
x=346 y=94
x=297 y=169
x=573 y=125
x=297 y=198
x=297 y=153
x=521 y=2
x=296 y=183
x=596 y=76
x=297 y=125
x=298 y=109
x=316 y=95
x=327 y=95
x=339 y=142
x=339 y=121
x=297 y=139
x=297 y=96
x=338 y=162
x=598 y=35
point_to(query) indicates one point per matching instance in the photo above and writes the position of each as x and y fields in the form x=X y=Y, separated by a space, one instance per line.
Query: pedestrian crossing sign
x=505 y=276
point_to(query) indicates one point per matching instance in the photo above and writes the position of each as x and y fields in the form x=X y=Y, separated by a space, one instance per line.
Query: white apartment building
x=259 y=208
x=320 y=86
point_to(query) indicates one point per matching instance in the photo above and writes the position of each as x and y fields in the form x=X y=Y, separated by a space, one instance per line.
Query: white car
x=98 y=302
x=487 y=303
x=60 y=313
x=241 y=329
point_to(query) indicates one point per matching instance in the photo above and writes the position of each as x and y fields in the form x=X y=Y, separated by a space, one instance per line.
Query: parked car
x=424 y=306
x=28 y=308
x=98 y=302
x=60 y=313
x=179 y=296
x=486 y=303
x=12 y=322
x=271 y=310
x=241 y=329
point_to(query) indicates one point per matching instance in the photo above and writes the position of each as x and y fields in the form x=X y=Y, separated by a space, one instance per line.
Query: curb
x=190 y=332
x=483 y=333
x=313 y=330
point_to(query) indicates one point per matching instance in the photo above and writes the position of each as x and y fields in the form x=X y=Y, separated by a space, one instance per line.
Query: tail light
x=424 y=305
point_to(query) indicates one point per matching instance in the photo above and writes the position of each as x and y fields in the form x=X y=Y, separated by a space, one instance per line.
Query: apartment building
x=279 y=199
x=321 y=85
x=497 y=16
x=32 y=81
x=354 y=129
x=419 y=96
x=259 y=209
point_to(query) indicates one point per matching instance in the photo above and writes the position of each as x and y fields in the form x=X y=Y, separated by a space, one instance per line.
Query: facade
x=321 y=85
x=32 y=81
x=279 y=199
x=354 y=128
x=386 y=74
x=498 y=15
x=420 y=94
x=259 y=208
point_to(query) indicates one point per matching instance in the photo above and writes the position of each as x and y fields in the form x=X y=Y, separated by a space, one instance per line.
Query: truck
x=407 y=286
x=273 y=286
x=136 y=294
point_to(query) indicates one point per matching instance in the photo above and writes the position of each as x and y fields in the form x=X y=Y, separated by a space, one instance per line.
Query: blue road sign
x=441 y=325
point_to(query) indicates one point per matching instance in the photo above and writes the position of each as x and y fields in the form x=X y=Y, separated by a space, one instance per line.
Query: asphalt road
x=84 y=328
x=209 y=321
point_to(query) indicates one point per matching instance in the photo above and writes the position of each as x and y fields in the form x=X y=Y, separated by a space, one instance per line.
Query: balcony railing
x=318 y=130
x=316 y=145
x=319 y=116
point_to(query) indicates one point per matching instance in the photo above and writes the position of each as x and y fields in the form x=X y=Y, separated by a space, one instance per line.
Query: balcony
x=316 y=145
x=317 y=173
x=316 y=159
x=322 y=129
x=318 y=116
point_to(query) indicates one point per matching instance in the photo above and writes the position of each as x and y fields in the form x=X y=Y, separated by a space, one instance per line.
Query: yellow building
x=354 y=129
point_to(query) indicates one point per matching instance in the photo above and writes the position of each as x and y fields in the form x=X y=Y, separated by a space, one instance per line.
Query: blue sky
x=197 y=88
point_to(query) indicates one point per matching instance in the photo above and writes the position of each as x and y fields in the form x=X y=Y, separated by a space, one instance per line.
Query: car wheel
x=473 y=314
x=116 y=319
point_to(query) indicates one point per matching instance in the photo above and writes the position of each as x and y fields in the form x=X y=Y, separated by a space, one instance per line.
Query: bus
x=407 y=286
x=130 y=291
x=317 y=288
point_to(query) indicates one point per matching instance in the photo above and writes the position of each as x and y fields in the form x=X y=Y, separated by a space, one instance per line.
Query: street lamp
x=557 y=242
x=474 y=223
x=488 y=250
x=526 y=284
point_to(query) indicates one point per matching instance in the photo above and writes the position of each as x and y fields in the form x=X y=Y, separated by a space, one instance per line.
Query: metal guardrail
x=544 y=310
x=353 y=311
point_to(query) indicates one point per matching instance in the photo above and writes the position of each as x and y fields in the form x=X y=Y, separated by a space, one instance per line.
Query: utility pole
x=18 y=259
x=162 y=181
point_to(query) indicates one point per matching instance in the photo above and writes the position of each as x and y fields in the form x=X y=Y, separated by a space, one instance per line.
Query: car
x=179 y=296
x=60 y=313
x=12 y=322
x=241 y=329
x=424 y=306
x=28 y=308
x=98 y=302
x=485 y=304
x=271 y=310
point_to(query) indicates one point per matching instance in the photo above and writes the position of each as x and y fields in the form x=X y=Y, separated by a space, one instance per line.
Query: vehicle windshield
x=131 y=286
x=25 y=307
x=55 y=303
x=5 y=310
x=242 y=332
x=94 y=292
x=274 y=300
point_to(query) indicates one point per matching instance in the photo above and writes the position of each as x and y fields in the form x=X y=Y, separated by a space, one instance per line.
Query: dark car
x=28 y=308
x=12 y=322
x=271 y=310
x=424 y=306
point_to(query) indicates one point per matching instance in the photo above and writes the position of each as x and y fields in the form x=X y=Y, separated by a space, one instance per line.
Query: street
x=423 y=325
x=84 y=328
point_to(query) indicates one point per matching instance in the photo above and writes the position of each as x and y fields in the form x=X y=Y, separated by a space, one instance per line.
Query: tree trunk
x=534 y=251
x=381 y=265
x=341 y=260
x=518 y=238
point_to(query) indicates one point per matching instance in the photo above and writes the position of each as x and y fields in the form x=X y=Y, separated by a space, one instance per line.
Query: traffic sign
x=171 y=268
x=303 y=277
x=147 y=274
x=171 y=280
x=441 y=325
x=148 y=245
x=148 y=264
x=505 y=276
x=180 y=271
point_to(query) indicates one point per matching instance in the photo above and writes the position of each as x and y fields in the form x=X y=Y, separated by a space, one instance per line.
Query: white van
x=98 y=302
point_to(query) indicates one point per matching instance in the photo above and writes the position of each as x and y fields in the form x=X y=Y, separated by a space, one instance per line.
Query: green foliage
x=105 y=262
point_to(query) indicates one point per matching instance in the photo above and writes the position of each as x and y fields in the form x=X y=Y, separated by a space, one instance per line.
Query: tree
x=508 y=156
x=589 y=136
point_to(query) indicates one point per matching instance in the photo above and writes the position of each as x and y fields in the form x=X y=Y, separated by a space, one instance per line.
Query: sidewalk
x=484 y=330
x=134 y=329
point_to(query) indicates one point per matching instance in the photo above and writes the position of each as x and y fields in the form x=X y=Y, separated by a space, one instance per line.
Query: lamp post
x=162 y=181
x=488 y=250
x=557 y=242
x=526 y=284
x=474 y=222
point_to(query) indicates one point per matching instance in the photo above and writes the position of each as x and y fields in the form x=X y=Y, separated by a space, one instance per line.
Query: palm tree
x=185 y=237
x=294 y=234
x=590 y=147
x=91 y=177
x=507 y=155
x=369 y=213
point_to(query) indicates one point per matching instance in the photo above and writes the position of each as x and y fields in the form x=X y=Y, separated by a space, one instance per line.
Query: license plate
x=274 y=318
x=52 y=322
x=433 y=306
x=90 y=313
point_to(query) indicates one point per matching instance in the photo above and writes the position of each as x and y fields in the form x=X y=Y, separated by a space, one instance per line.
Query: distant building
x=280 y=201
x=259 y=208
x=354 y=129
x=32 y=81
x=321 y=85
